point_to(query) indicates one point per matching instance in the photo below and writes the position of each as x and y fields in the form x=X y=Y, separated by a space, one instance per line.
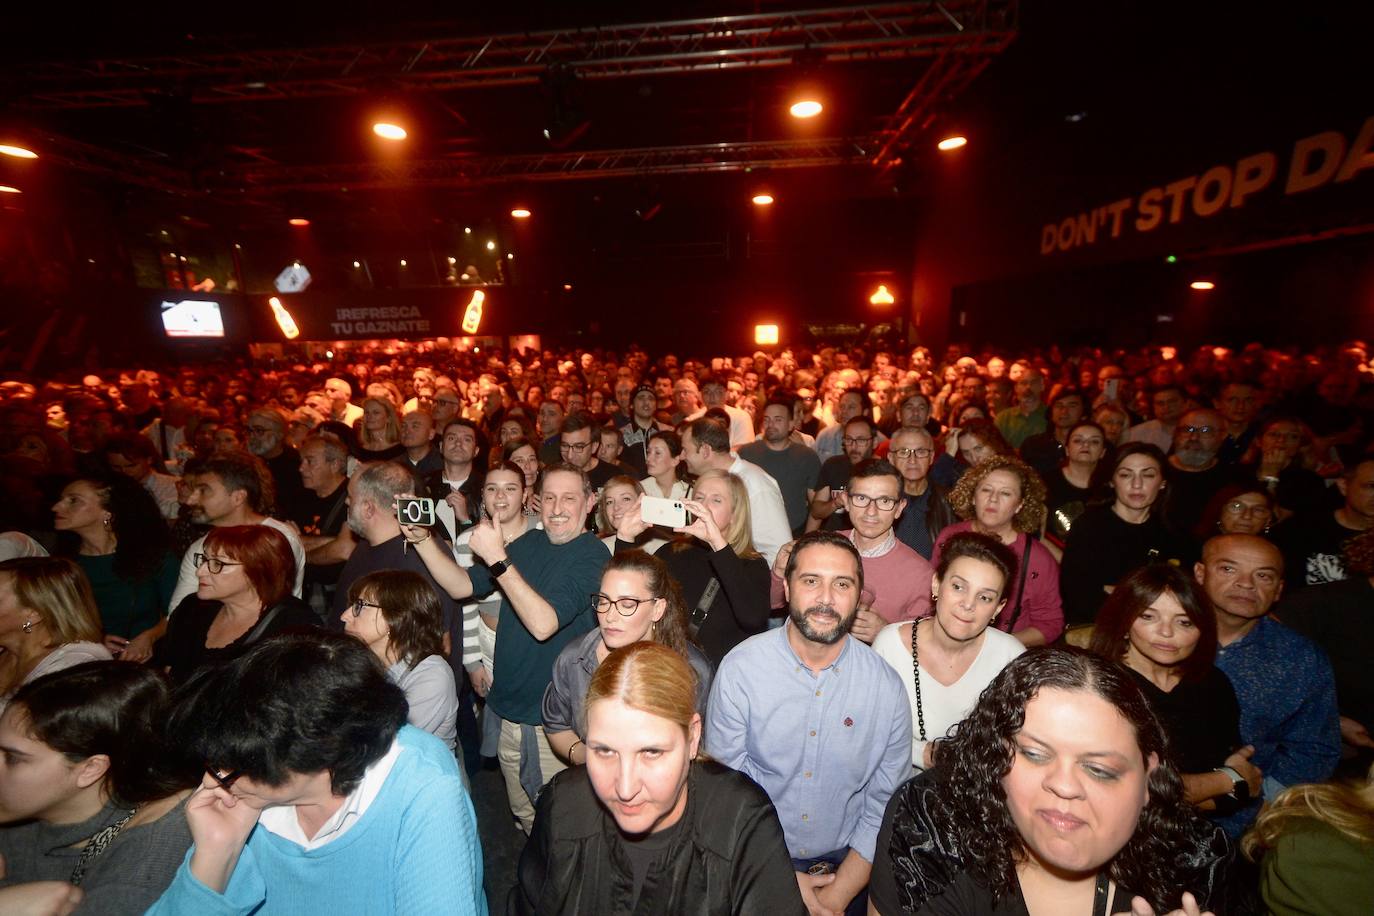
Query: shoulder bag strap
x=698 y=617
x=256 y=633
x=1021 y=585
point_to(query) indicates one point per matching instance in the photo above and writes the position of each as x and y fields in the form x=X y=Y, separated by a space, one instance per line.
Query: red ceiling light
x=388 y=131
x=6 y=189
x=18 y=152
x=1203 y=285
x=299 y=221
x=950 y=143
x=762 y=200
x=520 y=213
x=806 y=108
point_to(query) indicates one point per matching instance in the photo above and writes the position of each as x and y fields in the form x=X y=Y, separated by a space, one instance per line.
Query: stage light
x=491 y=246
x=510 y=256
x=567 y=287
x=357 y=264
x=284 y=320
x=765 y=334
x=299 y=221
x=881 y=296
x=6 y=189
x=17 y=152
x=950 y=143
x=472 y=316
x=467 y=230
x=520 y=213
x=1203 y=284
x=403 y=262
x=806 y=108
x=762 y=200
x=388 y=131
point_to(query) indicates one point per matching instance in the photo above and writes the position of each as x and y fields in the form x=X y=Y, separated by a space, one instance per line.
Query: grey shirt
x=795 y=468
x=127 y=878
x=565 y=697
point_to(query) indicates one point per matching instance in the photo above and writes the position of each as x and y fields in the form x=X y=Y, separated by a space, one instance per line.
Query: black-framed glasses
x=357 y=607
x=225 y=779
x=857 y=440
x=626 y=606
x=574 y=446
x=861 y=501
x=214 y=564
x=905 y=453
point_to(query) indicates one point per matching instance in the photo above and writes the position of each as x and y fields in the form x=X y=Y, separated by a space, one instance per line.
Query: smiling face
x=617 y=629
x=563 y=506
x=823 y=593
x=1078 y=781
x=970 y=597
x=503 y=495
x=638 y=764
x=1163 y=634
x=997 y=500
x=616 y=498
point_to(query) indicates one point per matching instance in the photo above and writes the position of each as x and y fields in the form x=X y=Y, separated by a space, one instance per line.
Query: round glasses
x=602 y=604
x=214 y=564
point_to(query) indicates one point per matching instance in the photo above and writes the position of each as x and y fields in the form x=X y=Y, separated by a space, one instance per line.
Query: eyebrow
x=1225 y=559
x=1116 y=755
x=5 y=748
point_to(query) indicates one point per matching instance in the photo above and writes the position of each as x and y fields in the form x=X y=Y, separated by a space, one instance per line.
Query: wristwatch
x=498 y=569
x=1240 y=789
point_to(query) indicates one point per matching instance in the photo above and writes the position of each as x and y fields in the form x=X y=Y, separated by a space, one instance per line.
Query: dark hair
x=295 y=703
x=986 y=432
x=878 y=467
x=1067 y=391
x=970 y=804
x=130 y=445
x=142 y=538
x=410 y=606
x=866 y=421
x=564 y=468
x=1133 y=596
x=514 y=445
x=266 y=555
x=670 y=439
x=479 y=458
x=982 y=547
x=241 y=470
x=110 y=708
x=1209 y=523
x=575 y=422
x=1148 y=449
x=671 y=631
x=510 y=466
x=706 y=431
x=827 y=538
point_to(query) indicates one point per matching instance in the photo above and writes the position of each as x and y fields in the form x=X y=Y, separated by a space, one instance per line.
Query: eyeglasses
x=905 y=453
x=626 y=606
x=214 y=564
x=260 y=430
x=861 y=501
x=357 y=607
x=225 y=779
x=1240 y=508
x=1199 y=430
x=573 y=446
x=860 y=440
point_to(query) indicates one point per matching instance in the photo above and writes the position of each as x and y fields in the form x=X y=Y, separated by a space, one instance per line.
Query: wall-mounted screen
x=192 y=318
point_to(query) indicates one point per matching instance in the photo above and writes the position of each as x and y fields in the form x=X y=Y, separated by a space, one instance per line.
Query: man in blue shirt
x=1284 y=682
x=820 y=721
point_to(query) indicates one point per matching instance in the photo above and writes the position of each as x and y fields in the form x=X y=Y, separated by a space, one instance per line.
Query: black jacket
x=728 y=858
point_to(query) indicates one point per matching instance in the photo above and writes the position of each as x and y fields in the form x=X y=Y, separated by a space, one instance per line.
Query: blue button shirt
x=829 y=747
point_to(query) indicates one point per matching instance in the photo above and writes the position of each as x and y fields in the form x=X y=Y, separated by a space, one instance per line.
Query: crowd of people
x=836 y=630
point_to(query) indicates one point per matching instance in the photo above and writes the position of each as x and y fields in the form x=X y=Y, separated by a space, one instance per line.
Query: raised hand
x=632 y=523
x=488 y=542
x=703 y=525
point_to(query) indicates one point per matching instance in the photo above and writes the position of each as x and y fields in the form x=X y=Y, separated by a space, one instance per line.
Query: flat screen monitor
x=192 y=318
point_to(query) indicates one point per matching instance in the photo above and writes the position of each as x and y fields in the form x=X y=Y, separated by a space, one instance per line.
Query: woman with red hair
x=243 y=595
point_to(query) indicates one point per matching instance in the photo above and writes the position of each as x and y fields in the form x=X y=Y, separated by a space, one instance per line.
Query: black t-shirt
x=644 y=852
x=1101 y=548
x=1201 y=718
x=1189 y=492
x=1065 y=503
x=1313 y=549
x=183 y=651
x=834 y=474
x=1339 y=617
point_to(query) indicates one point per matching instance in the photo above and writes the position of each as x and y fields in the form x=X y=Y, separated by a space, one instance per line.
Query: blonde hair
x=57 y=591
x=739 y=536
x=603 y=518
x=393 y=426
x=650 y=677
x=1347 y=807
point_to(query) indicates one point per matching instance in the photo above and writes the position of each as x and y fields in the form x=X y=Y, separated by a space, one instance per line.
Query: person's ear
x=901 y=507
x=1200 y=573
x=660 y=608
x=92 y=770
x=694 y=736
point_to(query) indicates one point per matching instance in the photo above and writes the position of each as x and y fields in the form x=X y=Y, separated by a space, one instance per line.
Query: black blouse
x=183 y=651
x=1201 y=718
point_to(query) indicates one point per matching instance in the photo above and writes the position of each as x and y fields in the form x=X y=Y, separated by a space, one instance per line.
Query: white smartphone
x=657 y=510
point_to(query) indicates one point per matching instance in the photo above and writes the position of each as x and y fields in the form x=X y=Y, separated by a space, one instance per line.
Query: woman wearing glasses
x=243 y=596
x=1243 y=508
x=396 y=613
x=639 y=601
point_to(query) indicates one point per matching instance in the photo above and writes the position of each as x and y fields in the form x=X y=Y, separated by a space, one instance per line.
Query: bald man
x=1283 y=681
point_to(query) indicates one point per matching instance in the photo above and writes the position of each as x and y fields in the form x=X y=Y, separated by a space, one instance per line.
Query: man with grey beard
x=1194 y=475
x=267 y=440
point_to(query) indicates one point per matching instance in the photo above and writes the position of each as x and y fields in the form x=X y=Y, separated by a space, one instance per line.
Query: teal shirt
x=128 y=608
x=413 y=852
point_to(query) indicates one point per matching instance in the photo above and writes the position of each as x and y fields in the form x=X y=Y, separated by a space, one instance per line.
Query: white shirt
x=944 y=707
x=284 y=822
x=651 y=488
x=767 y=513
x=741 y=425
x=186 y=576
x=163 y=488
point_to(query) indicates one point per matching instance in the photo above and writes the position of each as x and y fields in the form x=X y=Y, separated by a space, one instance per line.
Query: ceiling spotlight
x=881 y=296
x=388 y=131
x=806 y=108
x=950 y=143
x=357 y=264
x=510 y=256
x=299 y=221
x=17 y=152
x=403 y=262
x=452 y=259
x=467 y=230
x=762 y=200
x=520 y=213
x=491 y=246
x=6 y=189
x=1203 y=284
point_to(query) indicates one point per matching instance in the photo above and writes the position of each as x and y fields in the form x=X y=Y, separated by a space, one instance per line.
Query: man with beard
x=819 y=721
x=545 y=577
x=267 y=440
x=1283 y=681
x=232 y=489
x=793 y=465
x=1194 y=474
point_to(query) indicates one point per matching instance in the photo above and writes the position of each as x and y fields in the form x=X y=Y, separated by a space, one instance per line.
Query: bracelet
x=573 y=748
x=421 y=540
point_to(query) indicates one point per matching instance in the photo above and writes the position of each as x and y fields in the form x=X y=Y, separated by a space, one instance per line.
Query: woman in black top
x=1159 y=624
x=244 y=596
x=1055 y=795
x=378 y=432
x=1108 y=541
x=1074 y=484
x=715 y=548
x=648 y=826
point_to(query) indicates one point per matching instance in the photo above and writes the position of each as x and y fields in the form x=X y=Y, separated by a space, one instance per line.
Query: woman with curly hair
x=1315 y=846
x=1055 y=795
x=1004 y=498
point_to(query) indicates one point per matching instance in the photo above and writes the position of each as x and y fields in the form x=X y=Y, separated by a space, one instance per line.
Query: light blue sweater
x=414 y=851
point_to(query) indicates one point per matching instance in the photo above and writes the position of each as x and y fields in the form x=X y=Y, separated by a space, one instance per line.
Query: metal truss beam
x=877 y=31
